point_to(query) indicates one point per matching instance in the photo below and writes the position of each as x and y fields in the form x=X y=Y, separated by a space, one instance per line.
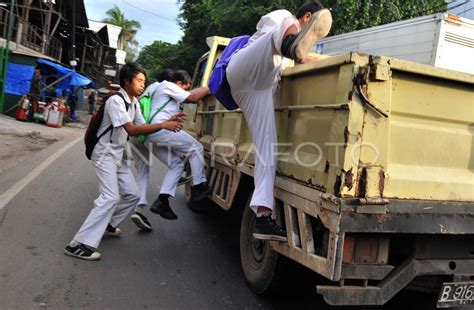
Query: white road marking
x=8 y=195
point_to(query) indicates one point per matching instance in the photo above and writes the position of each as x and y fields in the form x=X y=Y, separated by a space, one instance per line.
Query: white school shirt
x=276 y=22
x=269 y=22
x=113 y=143
x=150 y=89
x=164 y=92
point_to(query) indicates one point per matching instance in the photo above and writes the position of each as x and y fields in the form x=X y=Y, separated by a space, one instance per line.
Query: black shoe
x=200 y=192
x=141 y=221
x=266 y=228
x=81 y=251
x=184 y=180
x=162 y=208
x=112 y=231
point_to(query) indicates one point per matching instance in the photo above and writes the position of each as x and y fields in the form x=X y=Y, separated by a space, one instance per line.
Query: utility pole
x=4 y=53
x=47 y=27
x=73 y=37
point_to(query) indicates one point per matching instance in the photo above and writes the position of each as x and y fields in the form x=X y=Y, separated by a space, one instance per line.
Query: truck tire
x=260 y=264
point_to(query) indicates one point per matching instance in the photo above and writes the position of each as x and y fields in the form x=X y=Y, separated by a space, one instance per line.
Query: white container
x=55 y=116
x=441 y=40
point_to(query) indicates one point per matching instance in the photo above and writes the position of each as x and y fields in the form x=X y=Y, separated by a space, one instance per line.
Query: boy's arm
x=178 y=117
x=314 y=57
x=197 y=94
x=136 y=130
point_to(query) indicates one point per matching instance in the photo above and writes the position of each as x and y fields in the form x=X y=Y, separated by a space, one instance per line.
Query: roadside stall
x=65 y=80
x=41 y=89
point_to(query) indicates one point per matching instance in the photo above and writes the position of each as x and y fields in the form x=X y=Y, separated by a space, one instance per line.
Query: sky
x=147 y=12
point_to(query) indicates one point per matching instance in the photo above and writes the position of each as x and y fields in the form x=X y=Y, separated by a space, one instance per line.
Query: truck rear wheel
x=260 y=263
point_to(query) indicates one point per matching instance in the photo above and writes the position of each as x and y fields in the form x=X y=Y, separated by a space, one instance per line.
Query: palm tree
x=127 y=39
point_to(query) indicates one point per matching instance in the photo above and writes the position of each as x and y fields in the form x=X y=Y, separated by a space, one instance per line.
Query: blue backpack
x=218 y=83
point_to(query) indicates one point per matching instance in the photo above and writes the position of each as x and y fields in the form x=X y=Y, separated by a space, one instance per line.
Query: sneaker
x=141 y=221
x=162 y=208
x=184 y=180
x=112 y=231
x=317 y=28
x=266 y=228
x=81 y=251
x=200 y=192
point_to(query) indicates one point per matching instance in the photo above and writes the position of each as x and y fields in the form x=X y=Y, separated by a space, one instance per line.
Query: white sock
x=140 y=209
x=74 y=243
x=264 y=213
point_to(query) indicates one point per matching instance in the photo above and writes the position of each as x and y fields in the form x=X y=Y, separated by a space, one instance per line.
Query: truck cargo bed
x=360 y=126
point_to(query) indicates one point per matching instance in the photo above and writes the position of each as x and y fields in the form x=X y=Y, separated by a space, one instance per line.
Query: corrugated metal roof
x=112 y=30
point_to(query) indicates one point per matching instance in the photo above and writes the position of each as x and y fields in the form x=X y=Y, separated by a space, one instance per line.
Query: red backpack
x=91 y=138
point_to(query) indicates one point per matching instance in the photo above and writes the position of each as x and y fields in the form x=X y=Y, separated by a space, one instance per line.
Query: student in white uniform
x=141 y=155
x=253 y=74
x=118 y=190
x=169 y=147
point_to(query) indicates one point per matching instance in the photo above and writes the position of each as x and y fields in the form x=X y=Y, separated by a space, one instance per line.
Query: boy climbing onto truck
x=253 y=74
x=118 y=190
x=170 y=147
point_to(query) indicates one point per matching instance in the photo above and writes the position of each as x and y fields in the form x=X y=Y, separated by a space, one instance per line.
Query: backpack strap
x=142 y=138
x=145 y=110
x=127 y=105
x=159 y=110
x=105 y=131
x=153 y=93
x=111 y=127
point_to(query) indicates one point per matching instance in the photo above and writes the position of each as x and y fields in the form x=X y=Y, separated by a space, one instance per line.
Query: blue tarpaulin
x=18 y=79
x=74 y=80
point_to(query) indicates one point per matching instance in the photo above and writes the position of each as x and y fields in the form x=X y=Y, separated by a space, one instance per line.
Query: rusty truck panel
x=358 y=126
x=375 y=175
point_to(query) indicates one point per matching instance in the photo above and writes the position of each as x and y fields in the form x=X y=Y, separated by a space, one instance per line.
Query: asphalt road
x=191 y=263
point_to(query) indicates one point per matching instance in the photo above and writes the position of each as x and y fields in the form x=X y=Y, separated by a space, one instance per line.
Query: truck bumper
x=396 y=281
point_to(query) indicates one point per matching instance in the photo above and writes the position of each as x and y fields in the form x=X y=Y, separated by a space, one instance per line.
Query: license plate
x=456 y=294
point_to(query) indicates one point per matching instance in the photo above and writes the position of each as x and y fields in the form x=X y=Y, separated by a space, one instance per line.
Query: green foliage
x=127 y=40
x=203 y=18
x=158 y=56
x=350 y=15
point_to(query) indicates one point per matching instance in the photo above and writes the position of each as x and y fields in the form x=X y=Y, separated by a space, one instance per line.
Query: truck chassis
x=354 y=243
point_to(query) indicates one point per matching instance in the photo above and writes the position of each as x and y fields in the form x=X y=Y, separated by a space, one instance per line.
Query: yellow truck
x=375 y=176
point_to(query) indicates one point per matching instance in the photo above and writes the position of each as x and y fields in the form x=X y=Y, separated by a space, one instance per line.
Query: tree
x=127 y=40
x=350 y=15
x=158 y=56
x=202 y=18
